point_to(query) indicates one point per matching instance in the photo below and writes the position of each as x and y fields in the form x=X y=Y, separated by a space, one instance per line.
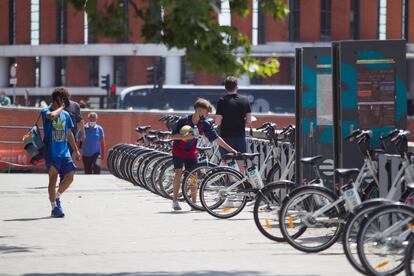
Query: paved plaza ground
x=114 y=228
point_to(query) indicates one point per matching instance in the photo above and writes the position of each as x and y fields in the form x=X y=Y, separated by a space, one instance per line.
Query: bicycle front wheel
x=305 y=229
x=217 y=196
x=383 y=239
x=349 y=237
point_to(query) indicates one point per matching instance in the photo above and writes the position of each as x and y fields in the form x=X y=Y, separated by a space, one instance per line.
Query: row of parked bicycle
x=376 y=233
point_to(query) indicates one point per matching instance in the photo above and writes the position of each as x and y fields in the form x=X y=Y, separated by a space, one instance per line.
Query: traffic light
x=113 y=90
x=105 y=82
x=155 y=75
x=151 y=75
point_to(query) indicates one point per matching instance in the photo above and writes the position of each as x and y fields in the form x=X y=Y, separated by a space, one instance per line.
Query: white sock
x=58 y=195
x=53 y=204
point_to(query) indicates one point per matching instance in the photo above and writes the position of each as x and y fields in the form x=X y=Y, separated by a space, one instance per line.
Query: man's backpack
x=33 y=143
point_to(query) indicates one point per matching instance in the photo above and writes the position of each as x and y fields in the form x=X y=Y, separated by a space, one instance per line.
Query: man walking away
x=233 y=116
x=73 y=109
x=56 y=126
x=93 y=150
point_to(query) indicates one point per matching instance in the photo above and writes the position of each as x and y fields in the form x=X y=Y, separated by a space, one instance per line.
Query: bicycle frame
x=400 y=178
x=368 y=169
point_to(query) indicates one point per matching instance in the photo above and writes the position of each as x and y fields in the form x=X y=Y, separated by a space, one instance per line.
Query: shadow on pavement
x=163 y=273
x=6 y=249
x=28 y=219
x=230 y=219
x=174 y=212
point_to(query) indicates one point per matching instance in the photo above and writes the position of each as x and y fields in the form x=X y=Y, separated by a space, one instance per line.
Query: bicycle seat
x=203 y=149
x=164 y=132
x=410 y=186
x=311 y=160
x=344 y=173
x=151 y=138
x=242 y=156
x=142 y=128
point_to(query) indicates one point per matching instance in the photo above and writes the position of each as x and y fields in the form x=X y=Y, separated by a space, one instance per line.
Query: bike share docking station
x=352 y=85
x=314 y=119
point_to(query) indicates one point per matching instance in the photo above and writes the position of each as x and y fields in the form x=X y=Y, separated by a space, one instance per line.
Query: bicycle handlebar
x=353 y=135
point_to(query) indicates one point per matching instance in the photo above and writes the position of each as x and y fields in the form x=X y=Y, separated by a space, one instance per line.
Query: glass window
x=60 y=63
x=34 y=22
x=187 y=73
x=325 y=20
x=404 y=22
x=382 y=22
x=94 y=71
x=12 y=22
x=294 y=20
x=355 y=12
x=120 y=71
x=61 y=22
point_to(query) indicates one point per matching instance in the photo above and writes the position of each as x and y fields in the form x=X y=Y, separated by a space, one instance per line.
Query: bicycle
x=319 y=212
x=224 y=184
x=384 y=237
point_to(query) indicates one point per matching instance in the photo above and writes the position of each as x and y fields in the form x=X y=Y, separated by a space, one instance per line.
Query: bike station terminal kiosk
x=370 y=92
x=353 y=84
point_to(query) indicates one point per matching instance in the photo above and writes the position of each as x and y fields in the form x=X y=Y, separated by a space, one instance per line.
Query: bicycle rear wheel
x=299 y=225
x=267 y=206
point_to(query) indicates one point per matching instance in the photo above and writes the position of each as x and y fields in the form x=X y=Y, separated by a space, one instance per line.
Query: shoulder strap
x=38 y=117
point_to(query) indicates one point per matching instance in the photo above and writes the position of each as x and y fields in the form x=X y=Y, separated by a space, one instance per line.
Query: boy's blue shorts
x=63 y=165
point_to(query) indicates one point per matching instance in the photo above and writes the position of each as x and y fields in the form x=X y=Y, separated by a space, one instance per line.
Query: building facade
x=56 y=47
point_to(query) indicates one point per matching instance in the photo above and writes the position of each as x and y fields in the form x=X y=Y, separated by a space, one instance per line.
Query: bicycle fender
x=276 y=184
x=371 y=203
x=226 y=169
x=301 y=188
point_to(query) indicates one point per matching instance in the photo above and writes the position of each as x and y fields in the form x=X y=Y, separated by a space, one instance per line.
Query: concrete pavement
x=114 y=228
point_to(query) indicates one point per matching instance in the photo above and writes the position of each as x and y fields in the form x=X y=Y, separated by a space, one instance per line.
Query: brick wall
x=276 y=29
x=75 y=25
x=48 y=21
x=340 y=25
x=368 y=19
x=204 y=78
x=244 y=24
x=22 y=22
x=310 y=22
x=4 y=22
x=118 y=125
x=394 y=19
x=77 y=71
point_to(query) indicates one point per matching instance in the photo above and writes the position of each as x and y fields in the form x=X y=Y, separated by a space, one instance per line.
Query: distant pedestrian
x=93 y=149
x=4 y=100
x=57 y=135
x=233 y=116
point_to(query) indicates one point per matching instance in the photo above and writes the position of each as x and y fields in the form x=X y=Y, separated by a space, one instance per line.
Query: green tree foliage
x=191 y=25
